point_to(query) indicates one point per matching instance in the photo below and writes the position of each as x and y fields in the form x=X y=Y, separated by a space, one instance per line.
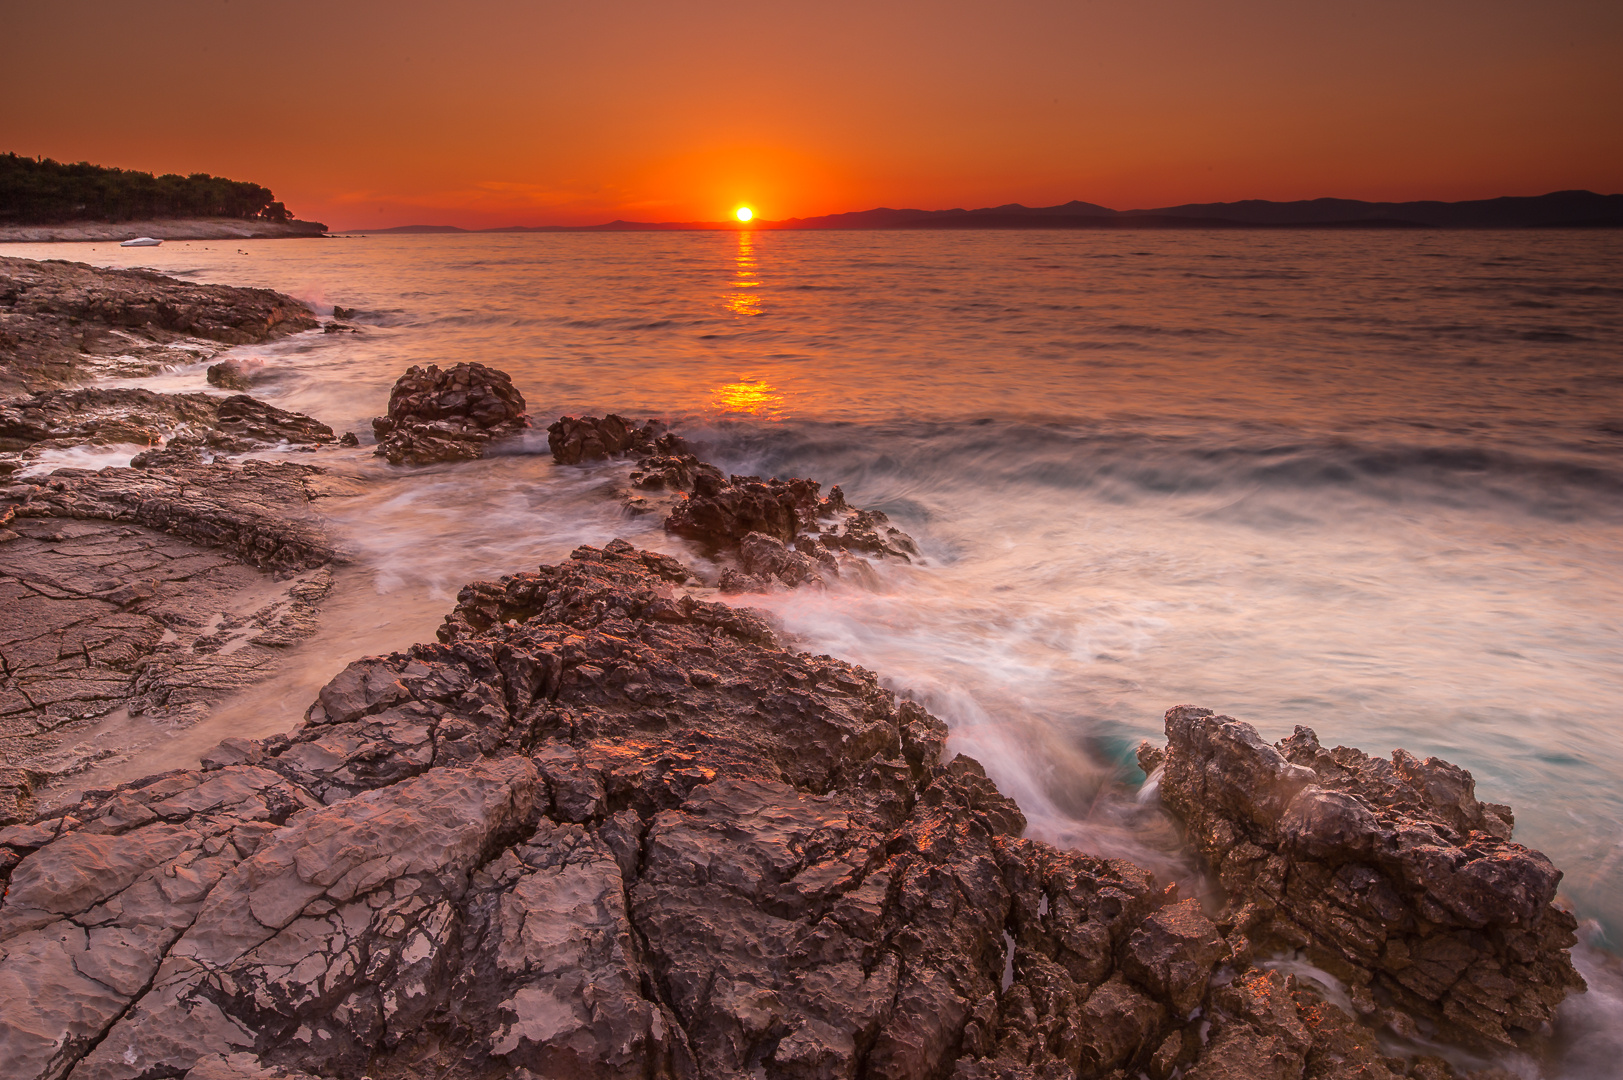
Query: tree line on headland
x=39 y=191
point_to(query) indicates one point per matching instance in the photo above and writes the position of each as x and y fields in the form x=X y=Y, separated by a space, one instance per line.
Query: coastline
x=945 y=936
x=161 y=229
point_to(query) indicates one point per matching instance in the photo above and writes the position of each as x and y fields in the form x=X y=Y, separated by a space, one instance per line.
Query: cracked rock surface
x=604 y=828
x=257 y=511
x=1390 y=874
x=63 y=322
x=133 y=599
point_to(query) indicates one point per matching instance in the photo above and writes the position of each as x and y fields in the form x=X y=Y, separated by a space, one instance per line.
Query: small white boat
x=141 y=241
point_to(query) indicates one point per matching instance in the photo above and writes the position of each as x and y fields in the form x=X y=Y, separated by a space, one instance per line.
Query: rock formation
x=180 y=428
x=1390 y=874
x=779 y=533
x=257 y=512
x=574 y=439
x=448 y=415
x=234 y=374
x=783 y=532
x=63 y=322
x=603 y=828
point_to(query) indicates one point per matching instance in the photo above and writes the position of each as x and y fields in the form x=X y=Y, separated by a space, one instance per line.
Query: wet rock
x=449 y=415
x=112 y=636
x=64 y=322
x=670 y=472
x=782 y=532
x=574 y=439
x=1390 y=873
x=234 y=374
x=189 y=426
x=258 y=511
x=343 y=312
x=603 y=828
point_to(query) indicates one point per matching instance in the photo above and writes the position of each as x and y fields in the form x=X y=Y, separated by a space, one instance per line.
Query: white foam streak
x=113 y=455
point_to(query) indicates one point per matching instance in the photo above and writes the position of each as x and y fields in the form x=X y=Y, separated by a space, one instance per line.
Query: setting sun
x=745 y=213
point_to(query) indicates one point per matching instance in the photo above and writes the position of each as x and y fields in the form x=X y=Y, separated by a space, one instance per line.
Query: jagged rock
x=448 y=415
x=602 y=829
x=1391 y=874
x=782 y=533
x=343 y=312
x=64 y=322
x=188 y=425
x=670 y=472
x=574 y=439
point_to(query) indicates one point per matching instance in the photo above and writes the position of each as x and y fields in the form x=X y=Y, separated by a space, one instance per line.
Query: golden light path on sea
x=745 y=266
x=757 y=399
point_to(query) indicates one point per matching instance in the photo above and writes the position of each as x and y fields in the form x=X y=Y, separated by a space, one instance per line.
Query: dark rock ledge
x=63 y=323
x=605 y=829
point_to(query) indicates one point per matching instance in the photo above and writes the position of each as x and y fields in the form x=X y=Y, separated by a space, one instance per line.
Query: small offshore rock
x=448 y=415
x=234 y=374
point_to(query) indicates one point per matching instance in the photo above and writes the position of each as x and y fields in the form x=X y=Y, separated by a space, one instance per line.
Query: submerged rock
x=448 y=415
x=1390 y=874
x=606 y=829
x=776 y=533
x=234 y=374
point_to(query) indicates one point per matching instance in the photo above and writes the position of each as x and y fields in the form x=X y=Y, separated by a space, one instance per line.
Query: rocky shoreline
x=609 y=825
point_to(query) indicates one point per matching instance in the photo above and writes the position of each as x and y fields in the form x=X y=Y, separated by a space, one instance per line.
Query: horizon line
x=1078 y=213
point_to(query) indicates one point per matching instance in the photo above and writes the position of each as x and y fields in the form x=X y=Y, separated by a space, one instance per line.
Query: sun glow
x=744 y=213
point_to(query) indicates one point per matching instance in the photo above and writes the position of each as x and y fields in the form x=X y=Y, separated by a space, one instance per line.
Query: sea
x=1369 y=482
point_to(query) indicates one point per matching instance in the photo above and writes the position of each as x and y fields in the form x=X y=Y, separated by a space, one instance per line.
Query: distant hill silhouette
x=1559 y=209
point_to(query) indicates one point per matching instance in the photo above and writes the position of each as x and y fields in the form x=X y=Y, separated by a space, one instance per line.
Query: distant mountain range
x=1559 y=209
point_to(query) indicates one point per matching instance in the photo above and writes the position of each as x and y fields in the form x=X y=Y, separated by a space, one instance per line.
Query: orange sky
x=496 y=112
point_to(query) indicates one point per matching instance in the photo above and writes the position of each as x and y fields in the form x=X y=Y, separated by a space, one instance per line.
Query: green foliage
x=38 y=192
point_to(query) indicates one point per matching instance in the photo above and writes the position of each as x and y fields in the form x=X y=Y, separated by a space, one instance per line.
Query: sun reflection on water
x=757 y=399
x=744 y=302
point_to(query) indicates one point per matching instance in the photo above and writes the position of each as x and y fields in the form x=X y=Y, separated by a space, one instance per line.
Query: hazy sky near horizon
x=495 y=112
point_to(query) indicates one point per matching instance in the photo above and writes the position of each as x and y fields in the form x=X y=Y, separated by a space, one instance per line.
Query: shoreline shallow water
x=1403 y=530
